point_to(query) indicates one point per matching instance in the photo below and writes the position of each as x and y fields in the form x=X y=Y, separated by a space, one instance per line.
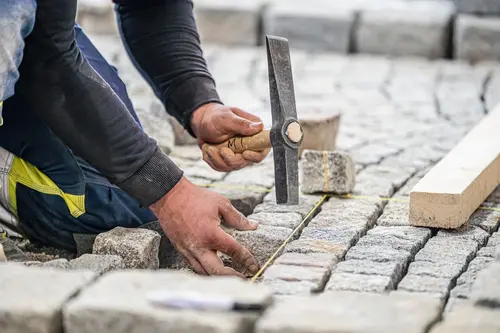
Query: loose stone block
x=335 y=167
x=318 y=276
x=121 y=297
x=419 y=28
x=425 y=284
x=228 y=22
x=477 y=38
x=33 y=297
x=466 y=232
x=320 y=260
x=368 y=267
x=314 y=26
x=243 y=200
x=437 y=270
x=320 y=130
x=98 y=263
x=360 y=283
x=306 y=246
x=395 y=214
x=397 y=243
x=469 y=319
x=486 y=289
x=448 y=249
x=285 y=220
x=138 y=247
x=351 y=312
x=262 y=242
x=488 y=7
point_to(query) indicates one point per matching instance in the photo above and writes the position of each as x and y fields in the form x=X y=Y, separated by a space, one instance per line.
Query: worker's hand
x=216 y=123
x=191 y=216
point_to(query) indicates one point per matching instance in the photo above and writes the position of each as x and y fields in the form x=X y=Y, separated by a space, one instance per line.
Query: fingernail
x=253 y=269
x=254 y=223
x=253 y=125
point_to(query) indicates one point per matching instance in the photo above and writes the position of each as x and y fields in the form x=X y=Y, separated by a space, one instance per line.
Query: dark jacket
x=75 y=102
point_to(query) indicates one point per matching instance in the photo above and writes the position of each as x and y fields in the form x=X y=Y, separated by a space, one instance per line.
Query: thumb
x=237 y=125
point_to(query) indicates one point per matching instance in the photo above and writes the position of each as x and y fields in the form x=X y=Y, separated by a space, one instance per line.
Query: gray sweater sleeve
x=79 y=107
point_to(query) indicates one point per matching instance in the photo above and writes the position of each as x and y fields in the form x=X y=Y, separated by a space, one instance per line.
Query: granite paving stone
x=477 y=38
x=33 y=297
x=475 y=266
x=494 y=239
x=306 y=246
x=486 y=288
x=137 y=247
x=368 y=267
x=338 y=235
x=467 y=232
x=426 y=284
x=262 y=242
x=437 y=270
x=282 y=287
x=454 y=304
x=395 y=214
x=359 y=283
x=488 y=7
x=320 y=260
x=341 y=312
x=391 y=241
x=379 y=253
x=317 y=25
x=488 y=220
x=338 y=171
x=382 y=181
x=285 y=220
x=58 y=264
x=98 y=263
x=292 y=273
x=468 y=319
x=418 y=28
x=448 y=249
x=121 y=302
x=488 y=252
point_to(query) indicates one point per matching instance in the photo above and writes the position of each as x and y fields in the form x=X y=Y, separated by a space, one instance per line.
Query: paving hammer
x=285 y=135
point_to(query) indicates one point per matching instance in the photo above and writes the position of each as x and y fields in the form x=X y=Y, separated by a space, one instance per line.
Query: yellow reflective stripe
x=24 y=173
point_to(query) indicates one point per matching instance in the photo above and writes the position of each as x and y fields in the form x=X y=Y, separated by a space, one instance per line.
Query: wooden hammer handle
x=257 y=142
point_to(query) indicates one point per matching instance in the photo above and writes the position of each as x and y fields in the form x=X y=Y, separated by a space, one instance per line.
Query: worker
x=76 y=160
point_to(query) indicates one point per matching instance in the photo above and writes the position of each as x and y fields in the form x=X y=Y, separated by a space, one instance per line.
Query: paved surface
x=398 y=118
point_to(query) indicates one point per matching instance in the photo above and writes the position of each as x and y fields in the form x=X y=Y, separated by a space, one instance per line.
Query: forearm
x=162 y=40
x=76 y=103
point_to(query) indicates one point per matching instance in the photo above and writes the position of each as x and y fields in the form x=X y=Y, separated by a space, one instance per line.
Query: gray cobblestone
x=285 y=220
x=488 y=252
x=316 y=25
x=342 y=311
x=389 y=29
x=263 y=242
x=379 y=253
x=303 y=208
x=367 y=267
x=488 y=7
x=33 y=297
x=419 y=236
x=98 y=263
x=318 y=276
x=425 y=284
x=477 y=38
x=486 y=289
x=475 y=266
x=488 y=220
x=494 y=239
x=468 y=318
x=340 y=173
x=454 y=304
x=307 y=246
x=359 y=283
x=282 y=287
x=448 y=249
x=438 y=270
x=467 y=232
x=382 y=181
x=338 y=235
x=321 y=260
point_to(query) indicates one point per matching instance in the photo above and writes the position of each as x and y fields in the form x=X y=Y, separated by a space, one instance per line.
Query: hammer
x=285 y=135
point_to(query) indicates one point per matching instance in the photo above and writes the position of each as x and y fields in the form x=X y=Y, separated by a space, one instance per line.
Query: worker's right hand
x=191 y=217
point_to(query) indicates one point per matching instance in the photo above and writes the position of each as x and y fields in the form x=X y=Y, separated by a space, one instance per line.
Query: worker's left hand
x=216 y=123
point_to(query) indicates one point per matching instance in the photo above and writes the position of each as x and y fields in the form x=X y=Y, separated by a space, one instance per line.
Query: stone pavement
x=369 y=271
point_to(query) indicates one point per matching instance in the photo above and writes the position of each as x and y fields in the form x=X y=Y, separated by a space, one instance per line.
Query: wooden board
x=451 y=191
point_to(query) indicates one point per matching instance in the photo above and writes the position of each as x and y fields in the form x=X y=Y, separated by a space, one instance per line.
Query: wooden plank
x=451 y=191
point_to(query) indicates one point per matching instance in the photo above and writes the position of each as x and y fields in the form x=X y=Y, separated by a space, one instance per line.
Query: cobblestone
x=343 y=311
x=321 y=260
x=477 y=38
x=318 y=276
x=486 y=289
x=395 y=214
x=367 y=267
x=425 y=284
x=359 y=283
x=285 y=220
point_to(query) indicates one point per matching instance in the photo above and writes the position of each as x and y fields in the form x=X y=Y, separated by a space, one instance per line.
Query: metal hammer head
x=286 y=133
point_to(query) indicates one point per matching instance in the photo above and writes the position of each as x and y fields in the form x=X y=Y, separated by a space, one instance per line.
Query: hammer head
x=286 y=134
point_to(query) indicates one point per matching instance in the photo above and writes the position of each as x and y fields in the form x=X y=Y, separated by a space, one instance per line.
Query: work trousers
x=47 y=192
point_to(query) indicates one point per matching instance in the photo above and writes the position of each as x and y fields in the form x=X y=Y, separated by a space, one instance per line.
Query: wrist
x=166 y=200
